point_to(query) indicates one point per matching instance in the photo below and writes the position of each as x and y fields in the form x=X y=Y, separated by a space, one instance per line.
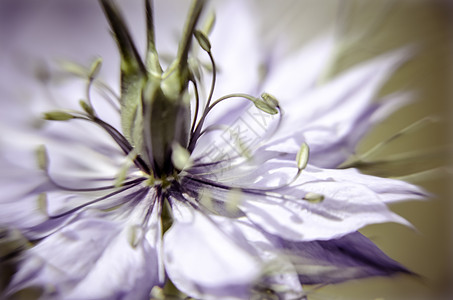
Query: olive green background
x=366 y=29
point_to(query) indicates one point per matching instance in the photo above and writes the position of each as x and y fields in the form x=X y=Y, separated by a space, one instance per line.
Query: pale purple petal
x=91 y=257
x=203 y=260
x=387 y=189
x=327 y=116
x=294 y=74
x=346 y=208
x=350 y=257
x=231 y=48
x=280 y=275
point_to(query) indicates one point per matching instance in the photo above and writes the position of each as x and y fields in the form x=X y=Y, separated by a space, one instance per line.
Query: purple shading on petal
x=350 y=257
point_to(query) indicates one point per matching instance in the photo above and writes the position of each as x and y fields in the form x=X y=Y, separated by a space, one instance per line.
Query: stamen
x=122 y=174
x=114 y=133
x=214 y=127
x=271 y=103
x=83 y=72
x=43 y=161
x=93 y=73
x=87 y=108
x=75 y=209
x=135 y=235
x=106 y=90
x=203 y=40
x=180 y=157
x=213 y=80
x=205 y=44
x=42 y=203
x=211 y=91
x=313 y=197
x=152 y=202
x=208 y=108
x=205 y=199
x=197 y=106
x=74 y=68
x=96 y=189
x=58 y=116
x=123 y=143
x=301 y=162
x=229 y=96
x=302 y=157
x=42 y=158
x=157 y=292
x=253 y=191
x=233 y=200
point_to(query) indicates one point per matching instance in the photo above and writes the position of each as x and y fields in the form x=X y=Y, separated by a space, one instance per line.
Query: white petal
x=237 y=55
x=346 y=208
x=270 y=169
x=280 y=274
x=387 y=189
x=299 y=71
x=93 y=258
x=204 y=261
x=331 y=146
x=328 y=115
x=21 y=214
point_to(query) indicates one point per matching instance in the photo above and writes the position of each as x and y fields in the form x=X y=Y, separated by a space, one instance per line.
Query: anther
x=302 y=157
x=180 y=157
x=313 y=197
x=58 y=116
x=42 y=203
x=42 y=158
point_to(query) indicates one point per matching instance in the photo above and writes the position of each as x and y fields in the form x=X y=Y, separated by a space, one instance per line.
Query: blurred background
x=366 y=29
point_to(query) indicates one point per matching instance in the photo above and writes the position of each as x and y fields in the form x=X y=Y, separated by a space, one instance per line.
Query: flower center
x=158 y=133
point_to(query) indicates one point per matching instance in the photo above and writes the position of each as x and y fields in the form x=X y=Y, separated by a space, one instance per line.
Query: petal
x=331 y=146
x=237 y=55
x=19 y=207
x=93 y=157
x=327 y=116
x=269 y=169
x=346 y=208
x=234 y=46
x=297 y=72
x=387 y=189
x=204 y=261
x=350 y=257
x=348 y=199
x=39 y=214
x=96 y=256
x=280 y=277
x=21 y=214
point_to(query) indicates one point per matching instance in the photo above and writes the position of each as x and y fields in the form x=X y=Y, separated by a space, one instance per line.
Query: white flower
x=226 y=199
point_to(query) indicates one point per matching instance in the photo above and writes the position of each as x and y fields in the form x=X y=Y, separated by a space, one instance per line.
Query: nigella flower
x=181 y=180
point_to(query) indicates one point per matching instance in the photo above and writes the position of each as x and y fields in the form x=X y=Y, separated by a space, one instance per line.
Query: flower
x=225 y=199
